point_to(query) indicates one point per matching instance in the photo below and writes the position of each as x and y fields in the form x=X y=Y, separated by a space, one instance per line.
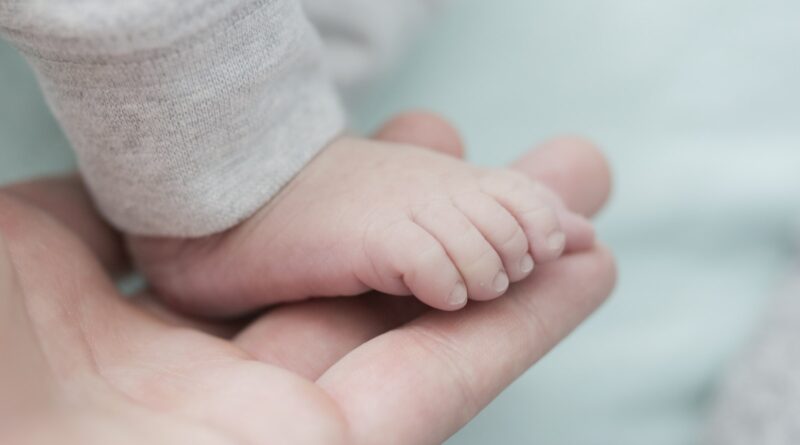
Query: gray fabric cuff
x=185 y=120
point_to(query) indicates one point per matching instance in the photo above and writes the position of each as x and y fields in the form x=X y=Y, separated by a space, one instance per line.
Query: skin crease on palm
x=368 y=214
x=92 y=368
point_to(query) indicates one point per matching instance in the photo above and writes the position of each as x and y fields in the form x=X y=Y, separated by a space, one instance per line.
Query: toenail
x=526 y=264
x=500 y=282
x=556 y=241
x=458 y=296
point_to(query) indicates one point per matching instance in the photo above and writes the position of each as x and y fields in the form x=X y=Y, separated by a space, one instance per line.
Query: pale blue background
x=697 y=103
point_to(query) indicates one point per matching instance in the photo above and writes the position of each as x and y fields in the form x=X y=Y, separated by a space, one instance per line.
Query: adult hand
x=83 y=365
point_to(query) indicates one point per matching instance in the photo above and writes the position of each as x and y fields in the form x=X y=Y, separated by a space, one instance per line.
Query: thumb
x=25 y=380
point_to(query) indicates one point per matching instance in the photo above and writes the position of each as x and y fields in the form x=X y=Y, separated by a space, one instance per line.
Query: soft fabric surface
x=761 y=398
x=696 y=103
x=167 y=109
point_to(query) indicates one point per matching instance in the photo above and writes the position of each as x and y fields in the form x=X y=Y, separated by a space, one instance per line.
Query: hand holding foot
x=372 y=215
x=94 y=367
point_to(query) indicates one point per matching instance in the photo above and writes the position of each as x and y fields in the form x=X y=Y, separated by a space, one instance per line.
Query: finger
x=307 y=338
x=574 y=169
x=502 y=231
x=24 y=378
x=578 y=229
x=67 y=200
x=477 y=262
x=155 y=307
x=459 y=362
x=423 y=129
x=68 y=294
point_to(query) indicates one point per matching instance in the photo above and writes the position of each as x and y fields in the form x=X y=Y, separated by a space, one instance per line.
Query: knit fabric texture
x=186 y=117
x=759 y=402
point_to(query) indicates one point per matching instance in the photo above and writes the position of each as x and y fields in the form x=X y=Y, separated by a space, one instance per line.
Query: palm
x=366 y=370
x=148 y=369
x=207 y=386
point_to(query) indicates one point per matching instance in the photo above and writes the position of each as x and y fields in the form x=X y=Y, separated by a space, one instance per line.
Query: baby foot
x=371 y=215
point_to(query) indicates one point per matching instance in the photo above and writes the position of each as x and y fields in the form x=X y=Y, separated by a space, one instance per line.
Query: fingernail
x=500 y=282
x=526 y=264
x=556 y=241
x=458 y=296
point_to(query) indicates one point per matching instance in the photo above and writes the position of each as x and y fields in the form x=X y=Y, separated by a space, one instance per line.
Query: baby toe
x=501 y=230
x=477 y=261
x=411 y=255
x=537 y=217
